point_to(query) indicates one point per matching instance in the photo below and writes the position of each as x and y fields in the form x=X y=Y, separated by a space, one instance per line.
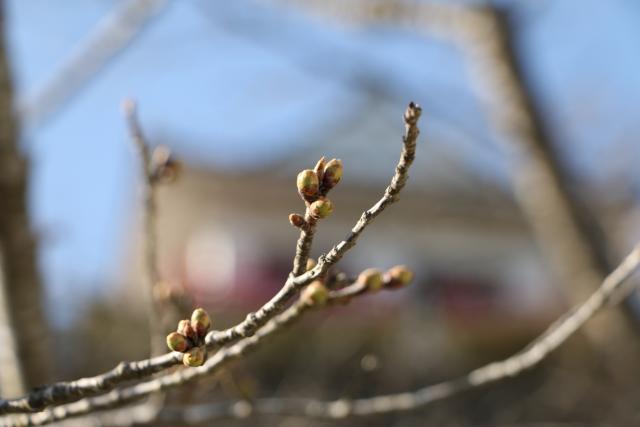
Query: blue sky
x=235 y=84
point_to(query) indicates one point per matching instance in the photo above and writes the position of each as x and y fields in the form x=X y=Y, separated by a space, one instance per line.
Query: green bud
x=316 y=293
x=398 y=277
x=371 y=278
x=165 y=168
x=185 y=328
x=308 y=184
x=321 y=208
x=178 y=342
x=332 y=174
x=200 y=321
x=194 y=357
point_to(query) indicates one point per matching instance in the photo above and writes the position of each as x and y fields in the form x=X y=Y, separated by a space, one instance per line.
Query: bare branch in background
x=64 y=392
x=24 y=356
x=150 y=220
x=106 y=40
x=440 y=18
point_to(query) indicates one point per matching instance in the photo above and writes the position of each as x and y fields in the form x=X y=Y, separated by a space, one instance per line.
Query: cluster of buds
x=313 y=186
x=396 y=277
x=163 y=167
x=189 y=338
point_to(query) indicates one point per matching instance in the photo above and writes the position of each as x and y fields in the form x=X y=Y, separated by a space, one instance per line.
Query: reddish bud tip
x=332 y=174
x=319 y=169
x=297 y=220
x=185 y=328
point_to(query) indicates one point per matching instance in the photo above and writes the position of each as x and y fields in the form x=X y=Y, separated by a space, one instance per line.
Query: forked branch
x=610 y=292
x=64 y=392
x=122 y=396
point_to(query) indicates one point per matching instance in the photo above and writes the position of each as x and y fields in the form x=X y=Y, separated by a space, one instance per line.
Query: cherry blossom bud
x=185 y=328
x=316 y=293
x=398 y=277
x=319 y=169
x=194 y=357
x=178 y=342
x=297 y=220
x=201 y=322
x=321 y=208
x=308 y=184
x=332 y=174
x=371 y=278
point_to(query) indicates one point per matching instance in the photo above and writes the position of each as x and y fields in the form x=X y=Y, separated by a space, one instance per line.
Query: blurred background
x=524 y=193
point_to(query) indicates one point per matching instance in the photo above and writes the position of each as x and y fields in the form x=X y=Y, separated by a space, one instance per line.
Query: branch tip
x=412 y=114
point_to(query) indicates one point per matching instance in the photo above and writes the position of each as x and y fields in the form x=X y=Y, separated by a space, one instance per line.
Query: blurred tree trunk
x=568 y=233
x=23 y=351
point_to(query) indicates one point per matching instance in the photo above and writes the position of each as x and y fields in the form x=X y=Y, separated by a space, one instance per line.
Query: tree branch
x=110 y=36
x=610 y=292
x=119 y=397
x=150 y=219
x=65 y=392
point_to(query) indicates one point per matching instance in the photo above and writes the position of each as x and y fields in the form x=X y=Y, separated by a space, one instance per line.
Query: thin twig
x=65 y=392
x=534 y=353
x=303 y=246
x=110 y=36
x=150 y=219
x=293 y=284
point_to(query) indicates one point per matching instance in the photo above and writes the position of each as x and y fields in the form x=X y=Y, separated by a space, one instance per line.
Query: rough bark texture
x=20 y=279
